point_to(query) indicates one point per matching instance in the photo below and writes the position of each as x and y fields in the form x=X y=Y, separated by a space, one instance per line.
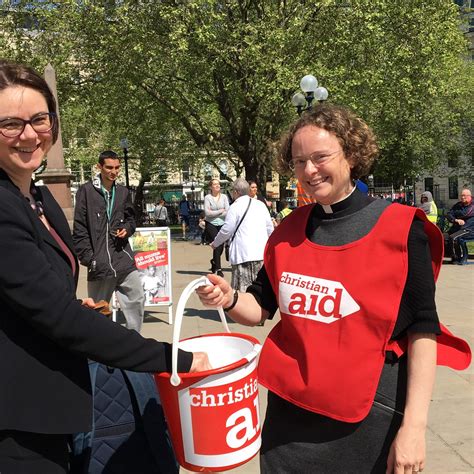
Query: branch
x=226 y=111
x=199 y=138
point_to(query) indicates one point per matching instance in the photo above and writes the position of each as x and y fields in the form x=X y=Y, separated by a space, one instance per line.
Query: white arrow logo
x=321 y=300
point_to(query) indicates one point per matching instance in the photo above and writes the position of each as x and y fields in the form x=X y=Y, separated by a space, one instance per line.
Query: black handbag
x=226 y=250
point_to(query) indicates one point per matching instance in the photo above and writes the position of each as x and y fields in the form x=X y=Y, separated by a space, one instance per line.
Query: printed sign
x=230 y=413
x=232 y=410
x=151 y=247
x=318 y=299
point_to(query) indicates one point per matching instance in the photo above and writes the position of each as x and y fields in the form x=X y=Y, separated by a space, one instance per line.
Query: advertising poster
x=152 y=252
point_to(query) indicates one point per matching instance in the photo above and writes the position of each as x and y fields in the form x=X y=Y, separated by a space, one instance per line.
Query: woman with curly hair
x=350 y=367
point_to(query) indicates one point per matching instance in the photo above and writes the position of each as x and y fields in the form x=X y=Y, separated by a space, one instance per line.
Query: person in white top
x=215 y=210
x=246 y=227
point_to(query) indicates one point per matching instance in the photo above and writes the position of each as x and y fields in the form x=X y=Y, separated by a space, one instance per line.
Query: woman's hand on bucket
x=218 y=294
x=242 y=308
x=200 y=362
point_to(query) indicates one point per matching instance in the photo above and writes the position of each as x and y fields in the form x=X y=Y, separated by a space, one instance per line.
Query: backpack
x=129 y=433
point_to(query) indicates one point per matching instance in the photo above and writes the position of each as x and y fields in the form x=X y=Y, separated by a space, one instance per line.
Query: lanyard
x=109 y=200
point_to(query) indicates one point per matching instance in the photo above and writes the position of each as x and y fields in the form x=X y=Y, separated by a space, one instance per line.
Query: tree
x=405 y=74
x=221 y=73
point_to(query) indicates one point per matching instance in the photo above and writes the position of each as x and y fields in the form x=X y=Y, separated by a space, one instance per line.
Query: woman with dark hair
x=253 y=189
x=216 y=205
x=350 y=367
x=46 y=333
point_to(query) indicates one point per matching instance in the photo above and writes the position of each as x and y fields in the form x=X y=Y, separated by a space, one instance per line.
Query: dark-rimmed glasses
x=317 y=159
x=41 y=123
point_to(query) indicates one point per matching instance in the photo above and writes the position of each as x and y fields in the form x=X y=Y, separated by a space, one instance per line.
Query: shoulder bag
x=227 y=244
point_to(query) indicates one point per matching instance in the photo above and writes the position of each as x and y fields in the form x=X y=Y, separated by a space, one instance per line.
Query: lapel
x=56 y=218
x=52 y=211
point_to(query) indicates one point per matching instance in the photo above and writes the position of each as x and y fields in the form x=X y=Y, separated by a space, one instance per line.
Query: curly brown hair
x=357 y=139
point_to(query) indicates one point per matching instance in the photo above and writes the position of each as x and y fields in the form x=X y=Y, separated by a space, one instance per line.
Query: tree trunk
x=251 y=169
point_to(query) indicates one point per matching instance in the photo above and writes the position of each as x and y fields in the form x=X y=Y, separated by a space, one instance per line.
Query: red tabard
x=338 y=309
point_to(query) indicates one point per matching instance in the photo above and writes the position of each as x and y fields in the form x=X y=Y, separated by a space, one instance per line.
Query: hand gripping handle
x=187 y=292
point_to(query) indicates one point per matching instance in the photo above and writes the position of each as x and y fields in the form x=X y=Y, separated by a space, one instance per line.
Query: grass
x=470 y=247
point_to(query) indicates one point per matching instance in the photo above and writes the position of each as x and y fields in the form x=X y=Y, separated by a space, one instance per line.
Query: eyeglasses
x=316 y=159
x=41 y=123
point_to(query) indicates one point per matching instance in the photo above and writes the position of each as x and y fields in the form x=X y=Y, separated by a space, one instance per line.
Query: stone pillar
x=56 y=176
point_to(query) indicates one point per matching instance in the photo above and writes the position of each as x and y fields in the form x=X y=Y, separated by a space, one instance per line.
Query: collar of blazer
x=52 y=211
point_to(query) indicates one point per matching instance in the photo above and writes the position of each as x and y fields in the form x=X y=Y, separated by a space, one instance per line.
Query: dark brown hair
x=15 y=74
x=355 y=137
x=107 y=154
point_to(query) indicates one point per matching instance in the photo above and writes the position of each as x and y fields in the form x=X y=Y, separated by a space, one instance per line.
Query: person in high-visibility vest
x=285 y=211
x=302 y=197
x=429 y=206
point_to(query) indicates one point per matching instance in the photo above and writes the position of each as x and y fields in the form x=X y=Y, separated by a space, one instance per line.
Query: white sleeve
x=268 y=223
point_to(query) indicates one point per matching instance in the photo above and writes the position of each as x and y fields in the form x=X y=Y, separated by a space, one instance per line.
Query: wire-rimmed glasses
x=317 y=159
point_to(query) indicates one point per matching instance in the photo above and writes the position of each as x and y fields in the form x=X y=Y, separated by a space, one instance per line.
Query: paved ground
x=450 y=446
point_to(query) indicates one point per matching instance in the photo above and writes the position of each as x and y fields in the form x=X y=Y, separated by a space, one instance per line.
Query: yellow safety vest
x=433 y=215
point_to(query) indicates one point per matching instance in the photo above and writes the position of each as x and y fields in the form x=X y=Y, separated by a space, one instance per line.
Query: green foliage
x=187 y=81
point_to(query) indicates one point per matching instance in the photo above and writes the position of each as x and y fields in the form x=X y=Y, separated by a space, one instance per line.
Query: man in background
x=161 y=214
x=183 y=214
x=104 y=219
x=461 y=216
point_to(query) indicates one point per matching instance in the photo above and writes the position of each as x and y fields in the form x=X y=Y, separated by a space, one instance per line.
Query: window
x=223 y=167
x=453 y=159
x=429 y=185
x=453 y=187
x=162 y=175
x=207 y=172
x=185 y=172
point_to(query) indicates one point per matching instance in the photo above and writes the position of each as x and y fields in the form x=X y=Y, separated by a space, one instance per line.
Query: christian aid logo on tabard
x=230 y=414
x=318 y=299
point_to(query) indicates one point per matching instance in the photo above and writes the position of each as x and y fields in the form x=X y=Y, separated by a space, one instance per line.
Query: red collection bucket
x=213 y=416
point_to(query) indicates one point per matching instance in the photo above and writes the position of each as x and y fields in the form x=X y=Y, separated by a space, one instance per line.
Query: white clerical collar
x=327 y=208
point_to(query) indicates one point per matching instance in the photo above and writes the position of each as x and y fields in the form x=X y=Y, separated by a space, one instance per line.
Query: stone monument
x=56 y=176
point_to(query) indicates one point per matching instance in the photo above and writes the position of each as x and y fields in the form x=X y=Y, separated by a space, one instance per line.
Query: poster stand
x=151 y=248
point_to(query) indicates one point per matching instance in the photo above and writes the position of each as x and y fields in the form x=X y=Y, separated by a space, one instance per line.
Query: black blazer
x=46 y=335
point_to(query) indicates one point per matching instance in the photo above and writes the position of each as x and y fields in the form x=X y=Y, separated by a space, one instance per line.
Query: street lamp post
x=416 y=178
x=124 y=145
x=370 y=180
x=309 y=85
x=192 y=190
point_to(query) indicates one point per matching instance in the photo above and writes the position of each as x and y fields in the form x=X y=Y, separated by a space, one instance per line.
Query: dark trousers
x=212 y=231
x=297 y=441
x=33 y=453
x=457 y=244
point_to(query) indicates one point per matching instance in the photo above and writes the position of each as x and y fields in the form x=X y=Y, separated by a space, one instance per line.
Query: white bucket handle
x=187 y=292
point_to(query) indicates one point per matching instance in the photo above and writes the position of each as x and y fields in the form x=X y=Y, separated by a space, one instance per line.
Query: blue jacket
x=466 y=213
